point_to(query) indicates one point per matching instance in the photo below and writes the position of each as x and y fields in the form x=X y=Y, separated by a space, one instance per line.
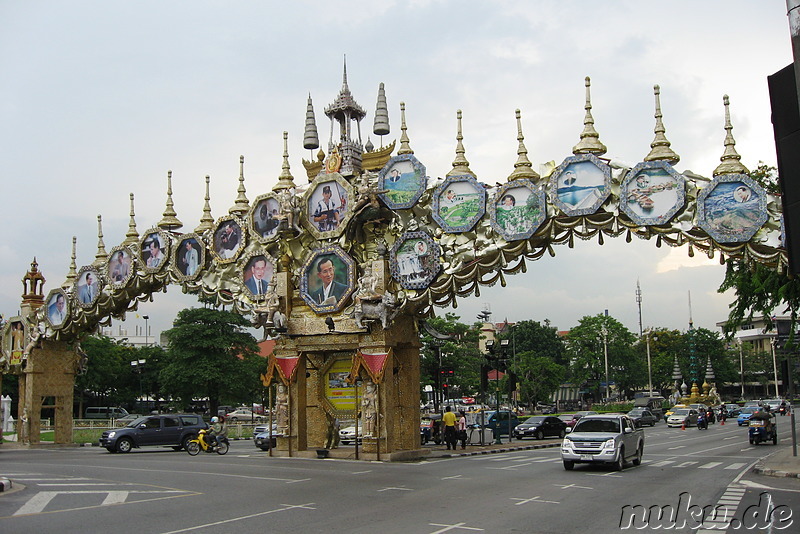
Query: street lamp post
x=604 y=332
x=775 y=367
x=741 y=366
x=138 y=368
x=146 y=329
x=497 y=358
x=649 y=368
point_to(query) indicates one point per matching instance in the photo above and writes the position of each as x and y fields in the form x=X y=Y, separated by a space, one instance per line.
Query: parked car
x=503 y=422
x=245 y=416
x=173 y=430
x=611 y=438
x=642 y=417
x=541 y=426
x=744 y=416
x=122 y=421
x=682 y=416
x=577 y=416
x=263 y=441
x=347 y=435
x=104 y=412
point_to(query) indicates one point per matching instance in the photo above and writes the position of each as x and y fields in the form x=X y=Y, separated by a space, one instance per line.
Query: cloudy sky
x=100 y=99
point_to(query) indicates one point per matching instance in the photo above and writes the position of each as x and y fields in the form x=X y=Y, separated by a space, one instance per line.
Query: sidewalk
x=780 y=463
x=440 y=451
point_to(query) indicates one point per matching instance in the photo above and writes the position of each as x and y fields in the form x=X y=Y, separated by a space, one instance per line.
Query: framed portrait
x=258 y=271
x=652 y=193
x=732 y=208
x=154 y=250
x=327 y=279
x=120 y=266
x=414 y=260
x=58 y=308
x=229 y=237
x=517 y=209
x=402 y=181
x=327 y=205
x=459 y=203
x=87 y=286
x=189 y=257
x=264 y=218
x=15 y=337
x=581 y=184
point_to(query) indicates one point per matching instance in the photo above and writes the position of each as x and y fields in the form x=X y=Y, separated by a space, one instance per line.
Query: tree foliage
x=210 y=355
x=460 y=354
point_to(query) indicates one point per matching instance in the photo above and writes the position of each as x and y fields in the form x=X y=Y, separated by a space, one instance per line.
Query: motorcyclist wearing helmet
x=214 y=431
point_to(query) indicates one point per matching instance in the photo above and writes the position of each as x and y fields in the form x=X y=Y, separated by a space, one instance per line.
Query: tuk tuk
x=763 y=428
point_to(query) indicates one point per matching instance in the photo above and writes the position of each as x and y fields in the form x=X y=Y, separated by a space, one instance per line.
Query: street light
x=775 y=366
x=649 y=367
x=741 y=366
x=490 y=346
x=604 y=332
x=146 y=329
x=138 y=366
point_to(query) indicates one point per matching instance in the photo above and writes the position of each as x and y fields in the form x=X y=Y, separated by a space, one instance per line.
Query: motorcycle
x=782 y=409
x=194 y=446
x=763 y=428
x=702 y=422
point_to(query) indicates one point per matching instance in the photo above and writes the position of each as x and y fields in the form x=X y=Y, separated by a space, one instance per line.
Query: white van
x=105 y=412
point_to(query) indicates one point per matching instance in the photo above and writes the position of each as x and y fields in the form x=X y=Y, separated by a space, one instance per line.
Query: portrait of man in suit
x=260 y=271
x=87 y=292
x=57 y=309
x=330 y=291
x=227 y=240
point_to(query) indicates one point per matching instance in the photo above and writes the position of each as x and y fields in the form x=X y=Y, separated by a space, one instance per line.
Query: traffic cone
x=683 y=425
x=722 y=421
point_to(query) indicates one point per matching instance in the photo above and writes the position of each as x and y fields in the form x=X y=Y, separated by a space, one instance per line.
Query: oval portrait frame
x=145 y=250
x=246 y=264
x=444 y=209
x=345 y=194
x=581 y=207
x=120 y=266
x=309 y=288
x=414 y=267
x=79 y=291
x=220 y=245
x=397 y=180
x=633 y=191
x=180 y=259
x=718 y=191
x=268 y=230
x=49 y=304
x=534 y=209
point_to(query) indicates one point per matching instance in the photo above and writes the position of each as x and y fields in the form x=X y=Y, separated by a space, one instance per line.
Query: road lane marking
x=737 y=465
x=678 y=447
x=115 y=497
x=710 y=465
x=569 y=486
x=685 y=464
x=38 y=502
x=307 y=506
x=532 y=499
x=452 y=527
x=662 y=463
x=393 y=488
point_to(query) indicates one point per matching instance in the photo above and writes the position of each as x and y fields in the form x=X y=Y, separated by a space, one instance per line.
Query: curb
x=759 y=469
x=502 y=450
x=5 y=484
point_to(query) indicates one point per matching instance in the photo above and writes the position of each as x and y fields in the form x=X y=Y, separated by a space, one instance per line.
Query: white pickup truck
x=611 y=439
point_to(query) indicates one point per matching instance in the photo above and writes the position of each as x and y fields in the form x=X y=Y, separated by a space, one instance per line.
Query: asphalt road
x=161 y=491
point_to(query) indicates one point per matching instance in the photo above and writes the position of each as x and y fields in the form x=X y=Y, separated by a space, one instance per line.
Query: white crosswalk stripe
x=710 y=465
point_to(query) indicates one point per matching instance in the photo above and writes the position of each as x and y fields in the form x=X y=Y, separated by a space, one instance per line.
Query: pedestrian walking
x=449 y=419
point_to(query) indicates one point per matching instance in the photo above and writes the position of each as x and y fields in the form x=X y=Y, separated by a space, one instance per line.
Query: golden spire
x=405 y=148
x=32 y=286
x=730 y=158
x=242 y=205
x=72 y=275
x=206 y=221
x=285 y=180
x=132 y=237
x=660 y=147
x=101 y=255
x=169 y=221
x=523 y=167
x=590 y=139
x=460 y=164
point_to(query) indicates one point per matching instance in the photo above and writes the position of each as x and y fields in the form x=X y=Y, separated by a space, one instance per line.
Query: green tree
x=538 y=376
x=210 y=355
x=108 y=376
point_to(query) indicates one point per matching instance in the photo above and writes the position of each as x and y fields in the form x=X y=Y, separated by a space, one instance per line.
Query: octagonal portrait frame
x=120 y=267
x=402 y=181
x=146 y=250
x=341 y=206
x=510 y=212
x=264 y=229
x=50 y=307
x=79 y=289
x=584 y=178
x=247 y=263
x=655 y=187
x=447 y=211
x=183 y=260
x=736 y=198
x=412 y=266
x=226 y=247
x=310 y=287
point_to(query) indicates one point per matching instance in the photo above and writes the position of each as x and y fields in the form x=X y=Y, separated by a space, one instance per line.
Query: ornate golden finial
x=460 y=164
x=72 y=275
x=132 y=237
x=206 y=221
x=730 y=158
x=242 y=205
x=32 y=285
x=660 y=147
x=405 y=148
x=101 y=255
x=285 y=180
x=523 y=167
x=590 y=139
x=169 y=221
